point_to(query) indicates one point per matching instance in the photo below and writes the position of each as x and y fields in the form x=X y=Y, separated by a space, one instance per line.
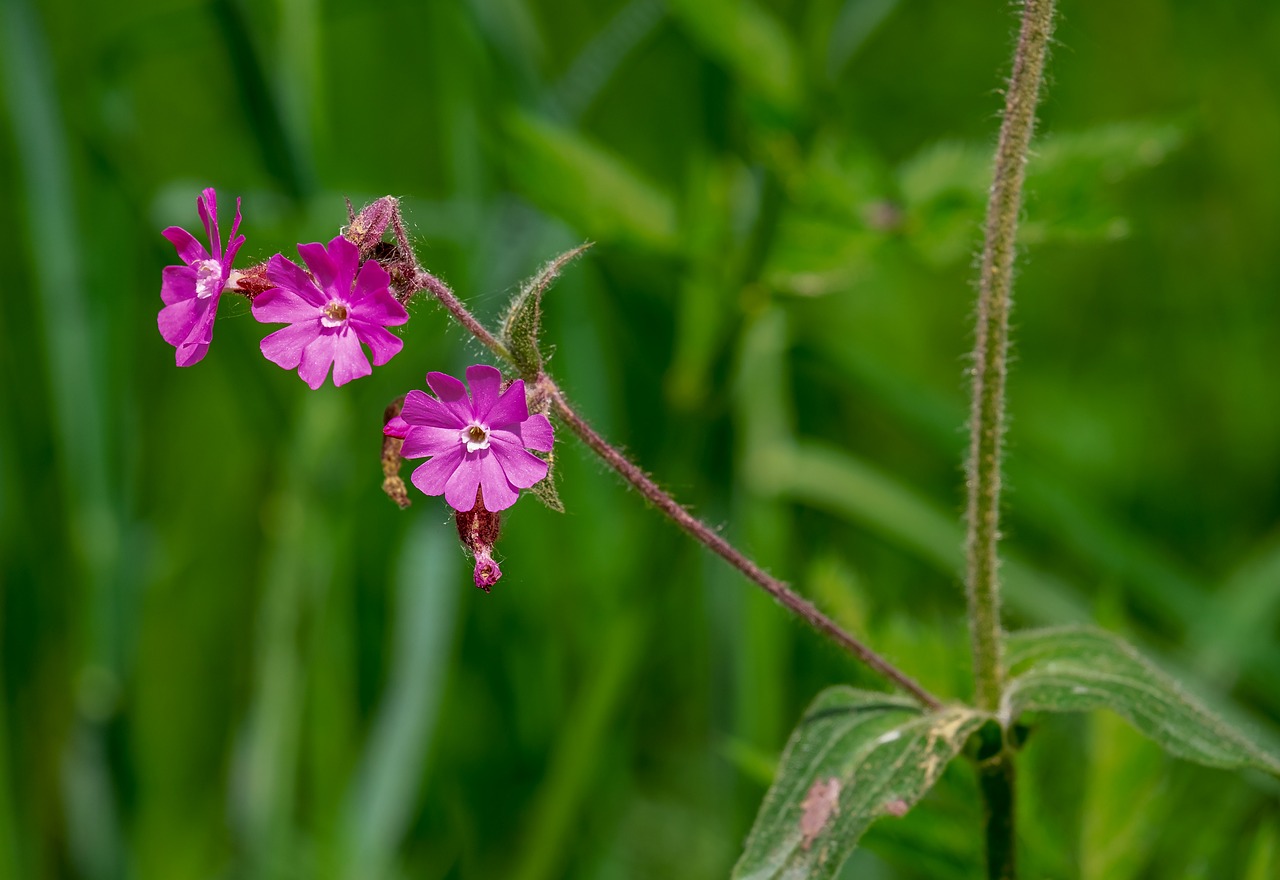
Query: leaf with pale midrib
x=1079 y=669
x=883 y=753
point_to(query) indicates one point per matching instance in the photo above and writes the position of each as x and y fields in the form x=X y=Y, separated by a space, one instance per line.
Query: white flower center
x=208 y=278
x=335 y=315
x=475 y=436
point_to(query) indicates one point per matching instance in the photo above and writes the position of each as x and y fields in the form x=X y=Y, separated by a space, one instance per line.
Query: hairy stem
x=987 y=420
x=990 y=357
x=692 y=526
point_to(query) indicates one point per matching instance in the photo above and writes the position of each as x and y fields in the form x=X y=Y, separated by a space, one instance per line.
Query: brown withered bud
x=250 y=282
x=366 y=228
x=478 y=528
x=392 y=484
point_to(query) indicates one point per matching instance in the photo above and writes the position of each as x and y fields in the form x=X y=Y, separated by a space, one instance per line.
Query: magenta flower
x=479 y=442
x=330 y=314
x=191 y=292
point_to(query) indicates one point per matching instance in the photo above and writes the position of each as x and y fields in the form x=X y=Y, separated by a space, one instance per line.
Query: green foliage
x=1078 y=669
x=855 y=757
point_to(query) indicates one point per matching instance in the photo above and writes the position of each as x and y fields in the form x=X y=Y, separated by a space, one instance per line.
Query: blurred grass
x=224 y=654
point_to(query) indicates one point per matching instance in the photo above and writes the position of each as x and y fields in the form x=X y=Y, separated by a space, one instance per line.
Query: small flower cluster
x=476 y=444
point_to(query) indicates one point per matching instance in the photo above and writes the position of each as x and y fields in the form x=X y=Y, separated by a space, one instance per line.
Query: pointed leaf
x=545 y=489
x=523 y=322
x=1079 y=669
x=855 y=756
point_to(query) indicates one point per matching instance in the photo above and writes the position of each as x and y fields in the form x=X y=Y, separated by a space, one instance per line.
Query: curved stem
x=705 y=535
x=987 y=417
x=692 y=526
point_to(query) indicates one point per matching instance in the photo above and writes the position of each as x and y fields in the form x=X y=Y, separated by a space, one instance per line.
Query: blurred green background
x=225 y=654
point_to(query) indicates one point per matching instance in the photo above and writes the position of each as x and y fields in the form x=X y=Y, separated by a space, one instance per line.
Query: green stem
x=987 y=417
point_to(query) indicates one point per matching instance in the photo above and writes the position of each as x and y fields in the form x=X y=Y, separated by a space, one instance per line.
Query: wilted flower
x=477 y=442
x=329 y=314
x=191 y=292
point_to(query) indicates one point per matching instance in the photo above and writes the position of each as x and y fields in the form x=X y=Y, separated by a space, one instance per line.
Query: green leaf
x=1079 y=669
x=855 y=756
x=587 y=186
x=523 y=321
x=545 y=489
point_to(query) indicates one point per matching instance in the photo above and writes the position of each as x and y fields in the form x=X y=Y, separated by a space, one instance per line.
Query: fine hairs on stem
x=987 y=420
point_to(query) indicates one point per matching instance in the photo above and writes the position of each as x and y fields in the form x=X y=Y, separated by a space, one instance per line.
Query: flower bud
x=478 y=528
x=251 y=281
x=365 y=229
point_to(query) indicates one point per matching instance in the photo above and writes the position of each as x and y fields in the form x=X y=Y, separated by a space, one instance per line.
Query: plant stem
x=996 y=775
x=705 y=535
x=987 y=417
x=695 y=528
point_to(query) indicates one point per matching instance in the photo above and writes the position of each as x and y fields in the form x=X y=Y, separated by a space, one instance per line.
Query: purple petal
x=234 y=241
x=322 y=267
x=207 y=206
x=396 y=427
x=177 y=283
x=522 y=468
x=486 y=383
x=499 y=494
x=346 y=260
x=188 y=354
x=419 y=409
x=460 y=491
x=381 y=310
x=189 y=250
x=453 y=394
x=511 y=407
x=283 y=272
x=423 y=441
x=317 y=357
x=536 y=433
x=176 y=321
x=431 y=477
x=382 y=342
x=285 y=347
x=279 y=305
x=349 y=361
x=372 y=280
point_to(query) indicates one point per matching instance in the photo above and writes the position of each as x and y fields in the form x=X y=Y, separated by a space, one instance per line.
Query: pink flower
x=191 y=292
x=330 y=314
x=474 y=443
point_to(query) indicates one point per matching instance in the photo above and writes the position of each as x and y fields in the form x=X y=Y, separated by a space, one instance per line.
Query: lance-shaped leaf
x=1079 y=669
x=523 y=321
x=855 y=756
x=545 y=489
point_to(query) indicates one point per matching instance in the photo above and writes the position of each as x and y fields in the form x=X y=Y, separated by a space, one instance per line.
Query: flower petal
x=453 y=394
x=460 y=491
x=189 y=250
x=323 y=267
x=317 y=357
x=177 y=283
x=379 y=309
x=373 y=279
x=283 y=272
x=187 y=354
x=396 y=427
x=432 y=476
x=234 y=241
x=423 y=441
x=345 y=257
x=486 y=383
x=499 y=494
x=176 y=321
x=285 y=347
x=511 y=407
x=207 y=207
x=536 y=433
x=522 y=469
x=419 y=409
x=382 y=342
x=349 y=361
x=279 y=305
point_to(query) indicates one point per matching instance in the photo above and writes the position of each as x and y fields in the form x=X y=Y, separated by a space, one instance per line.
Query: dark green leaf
x=855 y=756
x=1079 y=669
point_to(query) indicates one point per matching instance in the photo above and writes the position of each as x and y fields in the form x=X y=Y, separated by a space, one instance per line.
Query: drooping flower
x=477 y=442
x=330 y=314
x=191 y=292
